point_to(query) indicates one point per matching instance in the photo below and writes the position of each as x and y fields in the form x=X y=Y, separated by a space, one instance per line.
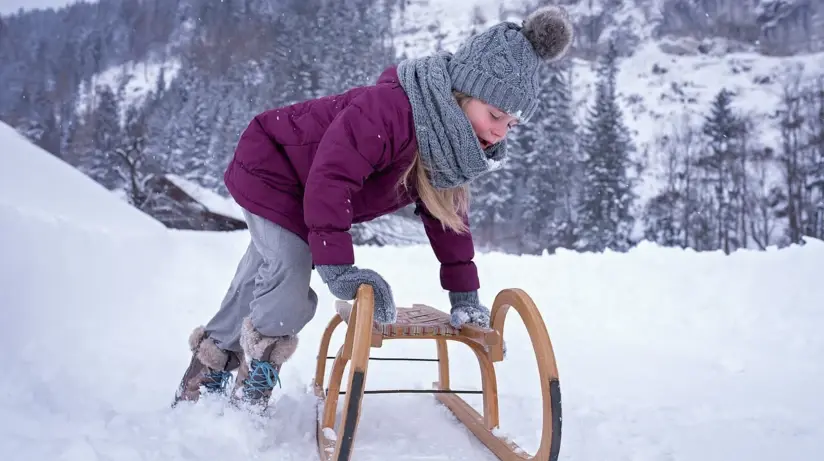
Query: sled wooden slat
x=423 y=322
x=336 y=439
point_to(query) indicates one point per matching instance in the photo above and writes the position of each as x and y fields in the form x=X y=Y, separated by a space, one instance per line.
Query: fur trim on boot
x=276 y=350
x=209 y=366
x=206 y=350
x=257 y=374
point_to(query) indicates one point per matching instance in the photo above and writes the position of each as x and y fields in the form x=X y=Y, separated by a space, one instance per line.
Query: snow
x=662 y=353
x=452 y=17
x=213 y=201
x=654 y=102
x=37 y=185
x=139 y=78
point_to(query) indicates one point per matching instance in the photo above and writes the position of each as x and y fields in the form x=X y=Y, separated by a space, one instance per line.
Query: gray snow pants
x=271 y=284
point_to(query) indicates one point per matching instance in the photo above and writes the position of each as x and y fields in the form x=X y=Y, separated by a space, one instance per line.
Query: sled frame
x=363 y=334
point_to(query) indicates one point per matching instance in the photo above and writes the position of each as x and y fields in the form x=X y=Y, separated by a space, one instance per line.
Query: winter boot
x=266 y=355
x=210 y=368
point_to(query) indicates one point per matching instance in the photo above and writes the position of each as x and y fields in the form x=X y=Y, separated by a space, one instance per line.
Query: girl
x=305 y=173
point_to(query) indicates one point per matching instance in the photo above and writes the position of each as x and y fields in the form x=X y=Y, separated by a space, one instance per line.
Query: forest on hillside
x=569 y=184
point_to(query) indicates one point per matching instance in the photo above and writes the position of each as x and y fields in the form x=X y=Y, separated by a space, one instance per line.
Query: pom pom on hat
x=549 y=30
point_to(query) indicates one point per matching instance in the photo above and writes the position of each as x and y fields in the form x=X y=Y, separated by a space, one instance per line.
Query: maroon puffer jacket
x=318 y=166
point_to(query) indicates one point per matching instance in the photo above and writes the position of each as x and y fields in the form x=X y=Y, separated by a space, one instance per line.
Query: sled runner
x=424 y=322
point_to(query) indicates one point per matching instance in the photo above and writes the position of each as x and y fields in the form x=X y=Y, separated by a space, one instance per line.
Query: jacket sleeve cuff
x=331 y=248
x=460 y=277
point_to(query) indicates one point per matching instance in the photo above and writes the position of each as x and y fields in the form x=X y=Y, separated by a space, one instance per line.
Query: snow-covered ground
x=663 y=354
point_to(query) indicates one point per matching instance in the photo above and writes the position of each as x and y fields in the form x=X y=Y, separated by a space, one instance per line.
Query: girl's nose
x=498 y=133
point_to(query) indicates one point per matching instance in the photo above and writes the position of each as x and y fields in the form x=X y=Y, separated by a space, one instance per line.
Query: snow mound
x=38 y=184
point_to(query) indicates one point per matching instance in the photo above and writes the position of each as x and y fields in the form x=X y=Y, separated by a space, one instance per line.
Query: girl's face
x=491 y=124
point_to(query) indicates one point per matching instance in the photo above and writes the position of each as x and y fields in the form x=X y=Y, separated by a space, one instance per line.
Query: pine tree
x=492 y=197
x=605 y=217
x=723 y=175
x=550 y=161
x=105 y=123
x=814 y=160
x=198 y=164
x=353 y=56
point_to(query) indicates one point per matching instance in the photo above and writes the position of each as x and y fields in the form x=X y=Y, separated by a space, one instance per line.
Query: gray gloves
x=467 y=308
x=343 y=281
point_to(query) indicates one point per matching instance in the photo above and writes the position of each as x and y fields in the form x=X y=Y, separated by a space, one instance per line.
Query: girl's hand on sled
x=343 y=281
x=467 y=308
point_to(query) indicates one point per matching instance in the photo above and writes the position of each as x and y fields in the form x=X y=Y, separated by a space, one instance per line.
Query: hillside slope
x=662 y=80
x=56 y=193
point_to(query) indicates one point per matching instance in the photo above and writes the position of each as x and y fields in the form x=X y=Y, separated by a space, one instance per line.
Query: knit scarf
x=447 y=143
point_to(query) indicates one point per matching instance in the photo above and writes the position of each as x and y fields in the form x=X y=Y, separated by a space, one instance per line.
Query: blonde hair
x=449 y=206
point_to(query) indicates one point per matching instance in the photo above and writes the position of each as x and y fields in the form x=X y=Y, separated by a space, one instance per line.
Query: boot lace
x=217 y=380
x=262 y=378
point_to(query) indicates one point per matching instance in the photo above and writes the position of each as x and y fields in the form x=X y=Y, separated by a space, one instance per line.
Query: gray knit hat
x=500 y=65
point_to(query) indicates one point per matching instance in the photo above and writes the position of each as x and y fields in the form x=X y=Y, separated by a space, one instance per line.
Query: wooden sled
x=424 y=322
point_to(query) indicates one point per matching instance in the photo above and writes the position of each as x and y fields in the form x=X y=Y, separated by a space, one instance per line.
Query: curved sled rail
x=550 y=445
x=424 y=322
x=355 y=349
